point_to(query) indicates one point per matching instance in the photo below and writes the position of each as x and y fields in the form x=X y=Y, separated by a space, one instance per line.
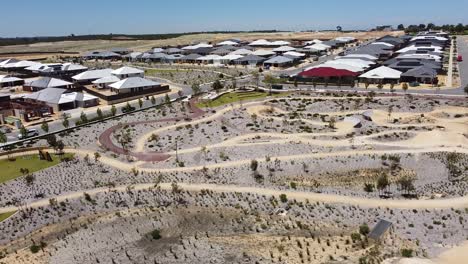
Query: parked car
x=29 y=133
x=460 y=58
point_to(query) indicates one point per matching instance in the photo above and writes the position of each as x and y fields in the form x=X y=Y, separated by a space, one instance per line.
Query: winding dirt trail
x=460 y=202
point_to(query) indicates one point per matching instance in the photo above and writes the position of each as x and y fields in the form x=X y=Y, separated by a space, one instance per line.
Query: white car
x=29 y=133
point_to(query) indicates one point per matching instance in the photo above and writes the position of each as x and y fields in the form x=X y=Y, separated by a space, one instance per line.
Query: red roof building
x=327 y=72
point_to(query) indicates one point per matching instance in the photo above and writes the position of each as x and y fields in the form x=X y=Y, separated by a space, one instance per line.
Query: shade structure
x=324 y=72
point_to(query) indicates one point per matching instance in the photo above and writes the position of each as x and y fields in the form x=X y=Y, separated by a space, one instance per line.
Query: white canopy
x=382 y=73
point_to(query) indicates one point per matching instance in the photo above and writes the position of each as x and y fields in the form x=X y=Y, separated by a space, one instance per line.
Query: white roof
x=7 y=79
x=354 y=62
x=284 y=49
x=8 y=61
x=133 y=82
x=295 y=54
x=345 y=39
x=383 y=43
x=413 y=47
x=280 y=43
x=318 y=46
x=429 y=37
x=157 y=50
x=420 y=56
x=263 y=52
x=260 y=42
x=210 y=57
x=127 y=70
x=241 y=52
x=201 y=45
x=382 y=73
x=92 y=74
x=231 y=57
x=367 y=56
x=227 y=43
x=107 y=79
x=311 y=42
x=20 y=64
x=75 y=96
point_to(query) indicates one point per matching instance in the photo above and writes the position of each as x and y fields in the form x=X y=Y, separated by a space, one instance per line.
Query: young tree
x=99 y=113
x=466 y=89
x=332 y=122
x=382 y=182
x=45 y=126
x=52 y=141
x=217 y=85
x=153 y=100
x=23 y=131
x=113 y=110
x=96 y=156
x=404 y=86
x=140 y=102
x=3 y=137
x=167 y=99
x=83 y=118
x=60 y=147
x=196 y=89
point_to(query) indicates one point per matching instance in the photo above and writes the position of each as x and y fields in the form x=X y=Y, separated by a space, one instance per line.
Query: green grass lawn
x=236 y=97
x=11 y=169
x=6 y=215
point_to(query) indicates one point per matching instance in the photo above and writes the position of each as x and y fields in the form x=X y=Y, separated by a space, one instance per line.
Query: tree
x=406 y=184
x=60 y=146
x=254 y=165
x=113 y=110
x=332 y=122
x=83 y=117
x=401 y=27
x=382 y=182
x=270 y=80
x=466 y=89
x=23 y=132
x=217 y=85
x=196 y=89
x=283 y=198
x=156 y=234
x=459 y=28
x=45 y=126
x=3 y=137
x=96 y=156
x=404 y=86
x=140 y=102
x=65 y=122
x=52 y=141
x=364 y=229
x=99 y=113
x=368 y=187
x=153 y=100
x=167 y=99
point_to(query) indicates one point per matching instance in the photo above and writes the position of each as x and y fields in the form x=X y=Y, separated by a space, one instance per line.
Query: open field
x=143 y=45
x=288 y=178
x=11 y=169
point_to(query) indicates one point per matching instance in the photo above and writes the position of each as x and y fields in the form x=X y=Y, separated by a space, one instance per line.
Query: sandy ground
x=142 y=45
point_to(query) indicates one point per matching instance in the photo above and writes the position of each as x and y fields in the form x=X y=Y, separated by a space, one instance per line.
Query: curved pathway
x=460 y=202
x=106 y=141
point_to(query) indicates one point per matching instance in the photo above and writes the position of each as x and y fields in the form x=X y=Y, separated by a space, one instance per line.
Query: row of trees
x=459 y=28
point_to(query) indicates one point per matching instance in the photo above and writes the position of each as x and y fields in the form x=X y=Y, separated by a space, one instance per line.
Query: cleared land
x=143 y=45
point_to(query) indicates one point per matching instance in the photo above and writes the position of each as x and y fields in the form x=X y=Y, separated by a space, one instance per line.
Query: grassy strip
x=11 y=169
x=4 y=216
x=234 y=98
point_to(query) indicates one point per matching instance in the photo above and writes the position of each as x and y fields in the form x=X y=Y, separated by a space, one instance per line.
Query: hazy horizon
x=61 y=18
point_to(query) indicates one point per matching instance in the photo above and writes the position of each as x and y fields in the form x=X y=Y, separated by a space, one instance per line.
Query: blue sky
x=63 y=17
